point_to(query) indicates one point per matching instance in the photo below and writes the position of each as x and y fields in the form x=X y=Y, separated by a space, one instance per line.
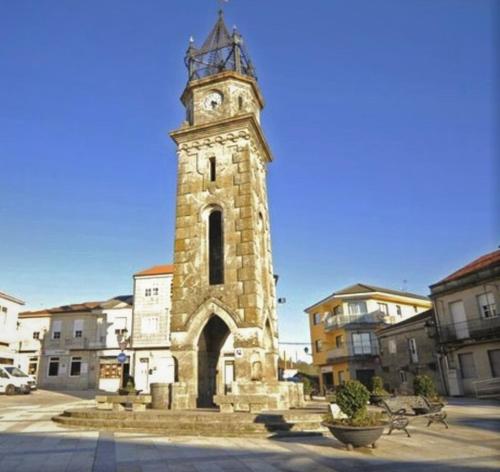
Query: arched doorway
x=210 y=343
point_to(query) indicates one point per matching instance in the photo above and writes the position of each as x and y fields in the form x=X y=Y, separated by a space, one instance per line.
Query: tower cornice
x=213 y=79
x=216 y=128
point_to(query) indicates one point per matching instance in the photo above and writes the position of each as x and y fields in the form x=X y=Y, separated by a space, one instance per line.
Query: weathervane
x=221 y=4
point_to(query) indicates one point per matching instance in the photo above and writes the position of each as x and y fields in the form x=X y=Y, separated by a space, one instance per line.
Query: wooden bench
x=122 y=402
x=401 y=409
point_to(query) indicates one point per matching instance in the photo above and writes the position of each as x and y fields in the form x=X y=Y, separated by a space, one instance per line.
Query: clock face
x=213 y=101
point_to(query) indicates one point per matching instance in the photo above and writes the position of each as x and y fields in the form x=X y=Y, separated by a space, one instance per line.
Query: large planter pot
x=356 y=436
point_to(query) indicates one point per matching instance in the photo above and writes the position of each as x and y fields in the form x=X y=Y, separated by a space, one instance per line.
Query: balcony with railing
x=76 y=343
x=339 y=352
x=469 y=330
x=336 y=321
x=352 y=350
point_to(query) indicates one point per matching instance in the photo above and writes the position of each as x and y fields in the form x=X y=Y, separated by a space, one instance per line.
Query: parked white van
x=15 y=381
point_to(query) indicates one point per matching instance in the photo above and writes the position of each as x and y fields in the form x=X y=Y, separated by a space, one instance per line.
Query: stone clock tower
x=223 y=319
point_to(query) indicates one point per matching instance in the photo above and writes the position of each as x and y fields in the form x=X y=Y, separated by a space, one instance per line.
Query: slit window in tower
x=212 y=169
x=215 y=248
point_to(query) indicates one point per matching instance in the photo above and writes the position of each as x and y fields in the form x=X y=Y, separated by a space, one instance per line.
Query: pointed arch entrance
x=210 y=343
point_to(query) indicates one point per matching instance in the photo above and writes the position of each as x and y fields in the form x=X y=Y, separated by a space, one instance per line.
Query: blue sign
x=121 y=358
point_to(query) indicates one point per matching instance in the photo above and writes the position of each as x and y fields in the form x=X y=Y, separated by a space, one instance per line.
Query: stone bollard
x=160 y=396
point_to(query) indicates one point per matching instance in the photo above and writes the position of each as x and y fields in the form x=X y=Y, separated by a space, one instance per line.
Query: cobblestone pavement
x=29 y=441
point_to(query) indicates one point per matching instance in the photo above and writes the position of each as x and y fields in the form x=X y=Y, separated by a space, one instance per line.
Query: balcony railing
x=337 y=353
x=353 y=350
x=474 y=328
x=76 y=343
x=338 y=321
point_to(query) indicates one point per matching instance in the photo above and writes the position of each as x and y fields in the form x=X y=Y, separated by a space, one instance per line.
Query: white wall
x=152 y=306
x=116 y=318
x=9 y=311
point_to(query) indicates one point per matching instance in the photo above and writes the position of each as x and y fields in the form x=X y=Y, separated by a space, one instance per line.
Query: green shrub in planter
x=352 y=398
x=423 y=385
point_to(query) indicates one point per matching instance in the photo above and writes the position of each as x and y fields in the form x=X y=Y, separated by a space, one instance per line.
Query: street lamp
x=123 y=340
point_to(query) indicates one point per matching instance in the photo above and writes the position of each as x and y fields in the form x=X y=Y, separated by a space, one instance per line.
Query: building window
x=147 y=292
x=212 y=168
x=317 y=318
x=240 y=103
x=383 y=308
x=56 y=329
x=338 y=310
x=402 y=376
x=77 y=328
x=494 y=357
x=341 y=377
x=155 y=291
x=53 y=367
x=318 y=345
x=398 y=310
x=415 y=308
x=215 y=248
x=412 y=346
x=392 y=346
x=4 y=309
x=76 y=366
x=339 y=341
x=357 y=308
x=150 y=325
x=361 y=343
x=33 y=365
x=467 y=366
x=487 y=305
x=36 y=334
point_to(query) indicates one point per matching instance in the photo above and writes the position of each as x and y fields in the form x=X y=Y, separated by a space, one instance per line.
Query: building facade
x=150 y=339
x=407 y=349
x=76 y=346
x=467 y=315
x=343 y=330
x=9 y=310
x=32 y=329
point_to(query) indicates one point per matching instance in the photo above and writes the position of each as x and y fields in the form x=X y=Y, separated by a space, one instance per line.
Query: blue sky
x=380 y=114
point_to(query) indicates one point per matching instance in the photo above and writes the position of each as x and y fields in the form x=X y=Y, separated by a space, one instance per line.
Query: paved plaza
x=30 y=441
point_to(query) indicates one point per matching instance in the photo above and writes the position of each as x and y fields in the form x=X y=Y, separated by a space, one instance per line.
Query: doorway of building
x=365 y=377
x=210 y=343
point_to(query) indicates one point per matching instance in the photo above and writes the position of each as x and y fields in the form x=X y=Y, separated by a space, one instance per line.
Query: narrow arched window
x=215 y=248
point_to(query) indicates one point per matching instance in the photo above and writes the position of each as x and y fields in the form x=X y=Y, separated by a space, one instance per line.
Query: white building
x=32 y=328
x=150 y=340
x=77 y=346
x=114 y=323
x=9 y=310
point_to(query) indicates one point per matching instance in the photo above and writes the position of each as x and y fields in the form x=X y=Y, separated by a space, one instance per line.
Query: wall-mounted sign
x=122 y=357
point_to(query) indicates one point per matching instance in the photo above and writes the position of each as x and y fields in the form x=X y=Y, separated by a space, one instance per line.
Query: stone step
x=193 y=423
x=189 y=417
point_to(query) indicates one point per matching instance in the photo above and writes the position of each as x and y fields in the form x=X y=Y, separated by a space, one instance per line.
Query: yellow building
x=343 y=325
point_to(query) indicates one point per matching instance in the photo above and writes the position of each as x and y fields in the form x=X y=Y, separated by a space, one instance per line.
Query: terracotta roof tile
x=74 y=307
x=482 y=262
x=157 y=270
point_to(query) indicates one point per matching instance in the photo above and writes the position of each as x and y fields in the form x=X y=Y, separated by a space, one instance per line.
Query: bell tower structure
x=224 y=330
